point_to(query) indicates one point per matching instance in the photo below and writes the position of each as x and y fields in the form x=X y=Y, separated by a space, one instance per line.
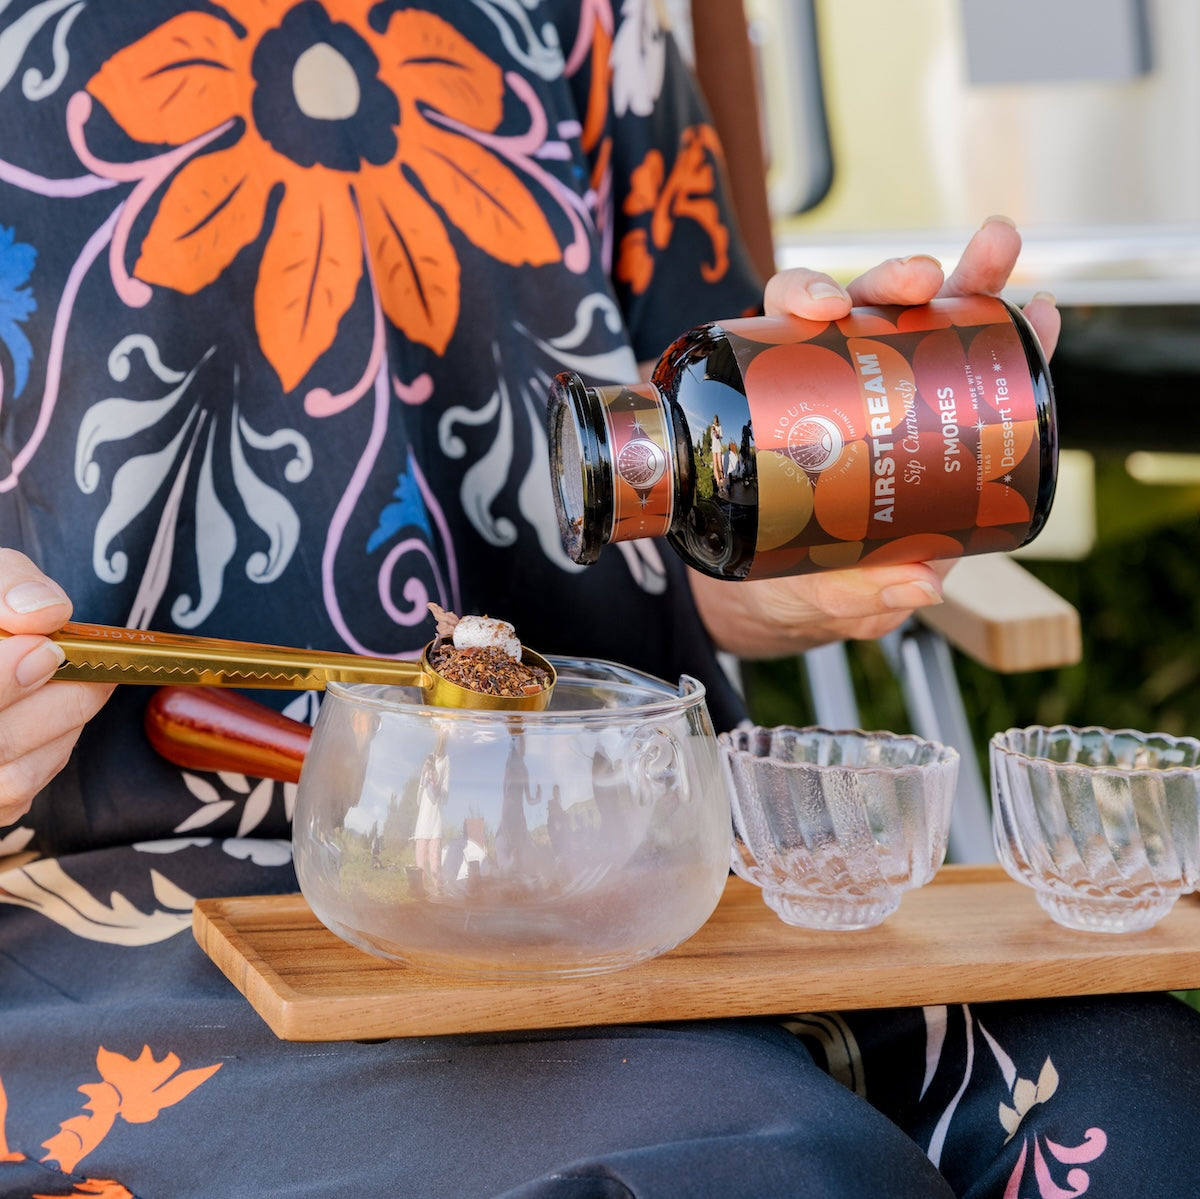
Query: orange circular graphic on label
x=641 y=463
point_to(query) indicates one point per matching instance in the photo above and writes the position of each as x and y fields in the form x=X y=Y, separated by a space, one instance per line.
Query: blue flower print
x=408 y=511
x=16 y=303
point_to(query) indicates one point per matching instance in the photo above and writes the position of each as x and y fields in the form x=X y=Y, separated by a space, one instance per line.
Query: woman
x=283 y=286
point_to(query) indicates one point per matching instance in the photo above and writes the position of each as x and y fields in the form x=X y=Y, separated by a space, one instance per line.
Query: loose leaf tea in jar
x=775 y=445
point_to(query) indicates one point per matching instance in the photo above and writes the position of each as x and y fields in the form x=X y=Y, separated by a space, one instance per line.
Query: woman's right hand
x=39 y=725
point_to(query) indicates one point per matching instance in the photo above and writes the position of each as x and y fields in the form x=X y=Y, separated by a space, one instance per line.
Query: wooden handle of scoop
x=213 y=728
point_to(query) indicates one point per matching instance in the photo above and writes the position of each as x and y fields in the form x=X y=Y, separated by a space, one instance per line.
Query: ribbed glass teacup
x=1103 y=824
x=835 y=825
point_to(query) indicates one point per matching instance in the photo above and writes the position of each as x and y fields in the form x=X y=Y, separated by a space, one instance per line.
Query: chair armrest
x=1006 y=618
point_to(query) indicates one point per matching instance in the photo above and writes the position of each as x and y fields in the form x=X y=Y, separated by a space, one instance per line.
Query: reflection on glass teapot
x=571 y=841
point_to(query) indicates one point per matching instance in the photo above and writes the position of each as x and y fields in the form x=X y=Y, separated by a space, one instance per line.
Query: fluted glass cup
x=835 y=825
x=1104 y=825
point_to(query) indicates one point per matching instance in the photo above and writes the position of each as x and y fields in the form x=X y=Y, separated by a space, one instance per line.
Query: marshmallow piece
x=484 y=631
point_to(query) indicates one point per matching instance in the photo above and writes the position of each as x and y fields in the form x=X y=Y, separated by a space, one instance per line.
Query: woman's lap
x=1097 y=1091
x=724 y=1109
x=1097 y=1096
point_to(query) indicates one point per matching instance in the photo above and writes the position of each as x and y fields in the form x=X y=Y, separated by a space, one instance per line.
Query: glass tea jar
x=774 y=445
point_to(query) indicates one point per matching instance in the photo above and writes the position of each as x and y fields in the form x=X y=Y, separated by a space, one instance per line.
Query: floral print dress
x=282 y=287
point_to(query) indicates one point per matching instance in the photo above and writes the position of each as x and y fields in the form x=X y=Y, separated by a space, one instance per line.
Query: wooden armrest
x=1005 y=618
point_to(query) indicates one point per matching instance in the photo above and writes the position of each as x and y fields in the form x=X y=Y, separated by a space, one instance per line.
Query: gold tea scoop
x=110 y=654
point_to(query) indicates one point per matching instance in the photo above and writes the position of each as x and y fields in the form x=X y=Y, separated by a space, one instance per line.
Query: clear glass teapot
x=572 y=841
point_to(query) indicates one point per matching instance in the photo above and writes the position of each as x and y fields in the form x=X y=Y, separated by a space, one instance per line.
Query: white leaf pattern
x=201 y=788
x=639 y=58
x=169 y=895
x=135 y=481
x=485 y=479
x=205 y=815
x=216 y=542
x=941 y=1130
x=593 y=306
x=45 y=887
x=261 y=853
x=935 y=1039
x=617 y=363
x=1047 y=1082
x=1007 y=1067
x=119 y=419
x=171 y=845
x=138 y=480
x=15 y=840
x=270 y=511
x=162 y=552
x=1024 y=1095
x=1010 y=1120
x=120 y=359
x=258 y=803
x=113 y=420
x=544 y=57
x=300 y=463
x=14 y=42
x=449 y=442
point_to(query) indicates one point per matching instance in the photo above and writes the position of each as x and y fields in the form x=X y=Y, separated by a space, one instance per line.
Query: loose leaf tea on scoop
x=477 y=653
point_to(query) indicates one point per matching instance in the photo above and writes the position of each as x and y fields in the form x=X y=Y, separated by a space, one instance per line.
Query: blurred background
x=894 y=128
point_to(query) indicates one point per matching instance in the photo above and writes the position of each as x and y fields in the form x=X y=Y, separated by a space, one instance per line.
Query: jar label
x=643 y=473
x=893 y=435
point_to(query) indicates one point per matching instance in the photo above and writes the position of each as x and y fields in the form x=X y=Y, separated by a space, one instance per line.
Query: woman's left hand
x=984 y=269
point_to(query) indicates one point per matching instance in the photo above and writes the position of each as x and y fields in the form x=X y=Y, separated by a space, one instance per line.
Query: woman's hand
x=39 y=724
x=781 y=617
x=983 y=269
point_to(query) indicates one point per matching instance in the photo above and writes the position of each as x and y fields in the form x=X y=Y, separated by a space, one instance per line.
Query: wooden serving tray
x=971 y=935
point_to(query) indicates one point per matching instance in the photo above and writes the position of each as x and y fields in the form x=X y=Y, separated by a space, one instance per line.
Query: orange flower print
x=687 y=192
x=358 y=141
x=134 y=1089
x=594 y=42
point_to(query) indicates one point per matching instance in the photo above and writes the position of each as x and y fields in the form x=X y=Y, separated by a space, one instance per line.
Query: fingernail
x=33 y=596
x=40 y=663
x=917 y=594
x=925 y=257
x=1046 y=296
x=1004 y=220
x=821 y=290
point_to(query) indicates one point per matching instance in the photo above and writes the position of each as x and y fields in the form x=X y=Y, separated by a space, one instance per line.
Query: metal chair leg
x=923 y=663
